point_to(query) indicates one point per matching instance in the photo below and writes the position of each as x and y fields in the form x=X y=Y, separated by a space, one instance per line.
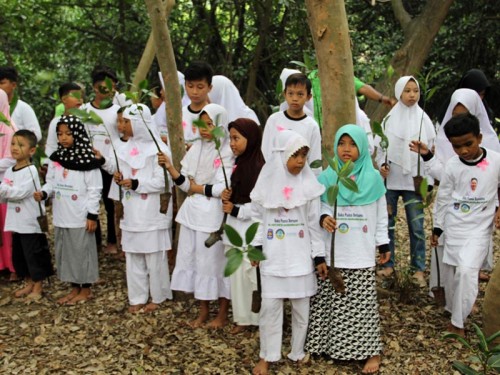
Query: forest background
x=51 y=42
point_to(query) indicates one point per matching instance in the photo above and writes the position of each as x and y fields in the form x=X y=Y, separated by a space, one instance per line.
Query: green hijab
x=370 y=184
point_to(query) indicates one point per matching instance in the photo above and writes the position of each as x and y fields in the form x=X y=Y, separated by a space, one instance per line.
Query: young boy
x=198 y=77
x=297 y=93
x=465 y=219
x=71 y=95
x=30 y=249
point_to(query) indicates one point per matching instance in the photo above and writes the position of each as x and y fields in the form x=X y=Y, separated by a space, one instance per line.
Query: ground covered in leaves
x=101 y=337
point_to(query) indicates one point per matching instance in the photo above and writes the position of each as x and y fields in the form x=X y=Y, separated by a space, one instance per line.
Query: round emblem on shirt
x=456 y=206
x=74 y=197
x=365 y=228
x=144 y=196
x=465 y=208
x=18 y=209
x=270 y=234
x=280 y=234
x=127 y=195
x=343 y=228
x=301 y=233
x=107 y=141
x=58 y=195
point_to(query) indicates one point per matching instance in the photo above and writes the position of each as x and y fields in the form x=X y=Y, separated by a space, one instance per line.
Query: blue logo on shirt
x=270 y=234
x=280 y=234
x=343 y=228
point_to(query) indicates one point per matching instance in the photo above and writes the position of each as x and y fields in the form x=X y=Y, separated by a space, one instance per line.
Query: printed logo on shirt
x=270 y=234
x=456 y=206
x=74 y=197
x=134 y=171
x=144 y=196
x=18 y=209
x=343 y=228
x=301 y=233
x=128 y=195
x=465 y=208
x=107 y=141
x=65 y=173
x=365 y=228
x=58 y=195
x=280 y=234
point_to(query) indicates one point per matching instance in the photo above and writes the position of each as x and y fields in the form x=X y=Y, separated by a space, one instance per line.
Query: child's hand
x=414 y=146
x=384 y=170
x=117 y=177
x=226 y=194
x=384 y=257
x=194 y=188
x=322 y=271
x=91 y=226
x=329 y=224
x=434 y=240
x=38 y=196
x=227 y=207
x=97 y=153
x=126 y=184
x=164 y=161
x=255 y=263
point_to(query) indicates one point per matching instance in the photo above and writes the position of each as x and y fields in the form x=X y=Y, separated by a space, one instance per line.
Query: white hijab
x=276 y=187
x=402 y=126
x=225 y=93
x=202 y=160
x=471 y=100
x=185 y=99
x=140 y=146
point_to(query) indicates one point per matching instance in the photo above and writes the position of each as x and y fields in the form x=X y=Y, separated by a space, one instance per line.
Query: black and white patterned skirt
x=346 y=326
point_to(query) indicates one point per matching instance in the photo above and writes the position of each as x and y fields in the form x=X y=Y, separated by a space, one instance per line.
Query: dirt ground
x=101 y=337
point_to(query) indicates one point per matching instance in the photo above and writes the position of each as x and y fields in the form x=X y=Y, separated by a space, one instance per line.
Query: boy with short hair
x=71 y=96
x=30 y=249
x=297 y=93
x=464 y=217
x=198 y=83
x=22 y=114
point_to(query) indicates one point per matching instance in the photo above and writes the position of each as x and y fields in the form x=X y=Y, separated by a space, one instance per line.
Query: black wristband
x=101 y=161
x=318 y=261
x=208 y=190
x=428 y=156
x=384 y=248
x=135 y=184
x=44 y=195
x=437 y=231
x=235 y=211
x=92 y=217
x=180 y=180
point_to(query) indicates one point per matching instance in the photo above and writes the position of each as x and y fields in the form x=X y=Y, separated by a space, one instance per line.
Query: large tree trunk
x=491 y=305
x=145 y=63
x=328 y=23
x=419 y=35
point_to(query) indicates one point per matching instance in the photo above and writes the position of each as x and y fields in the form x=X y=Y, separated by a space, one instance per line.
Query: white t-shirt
x=99 y=137
x=25 y=118
x=190 y=132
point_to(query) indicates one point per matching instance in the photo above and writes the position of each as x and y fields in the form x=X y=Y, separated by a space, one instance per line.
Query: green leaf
x=346 y=169
x=144 y=84
x=82 y=114
x=450 y=335
x=298 y=63
x=492 y=338
x=200 y=124
x=316 y=164
x=423 y=188
x=250 y=233
x=255 y=255
x=218 y=132
x=483 y=345
x=349 y=184
x=109 y=84
x=234 y=260
x=4 y=119
x=230 y=252
x=390 y=71
x=464 y=369
x=377 y=129
x=328 y=158
x=331 y=194
x=95 y=118
x=494 y=362
x=233 y=235
x=384 y=142
x=106 y=103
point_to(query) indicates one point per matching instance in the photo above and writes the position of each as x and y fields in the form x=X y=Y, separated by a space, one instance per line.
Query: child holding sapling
x=245 y=142
x=286 y=202
x=347 y=326
x=199 y=269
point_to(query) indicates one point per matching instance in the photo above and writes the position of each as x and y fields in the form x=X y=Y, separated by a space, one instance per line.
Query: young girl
x=346 y=326
x=145 y=236
x=405 y=122
x=245 y=142
x=286 y=203
x=74 y=181
x=199 y=269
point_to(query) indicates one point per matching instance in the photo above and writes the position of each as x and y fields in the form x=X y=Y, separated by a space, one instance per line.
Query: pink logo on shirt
x=134 y=171
x=107 y=141
x=280 y=128
x=144 y=196
x=74 y=197
x=483 y=164
x=287 y=192
x=184 y=124
x=134 y=152
x=18 y=209
x=57 y=165
x=8 y=182
x=217 y=163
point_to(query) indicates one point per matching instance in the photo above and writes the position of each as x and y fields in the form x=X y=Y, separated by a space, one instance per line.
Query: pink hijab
x=7 y=130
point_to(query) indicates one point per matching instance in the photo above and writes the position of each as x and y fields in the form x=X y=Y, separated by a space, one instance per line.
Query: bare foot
x=27 y=289
x=459 y=331
x=84 y=295
x=134 y=309
x=372 y=365
x=238 y=329
x=261 y=368
x=198 y=322
x=150 y=307
x=34 y=296
x=13 y=277
x=483 y=276
x=65 y=299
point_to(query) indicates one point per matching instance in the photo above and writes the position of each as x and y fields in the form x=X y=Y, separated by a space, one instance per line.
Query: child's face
x=473 y=184
x=127 y=128
x=467 y=146
x=65 y=136
x=8 y=86
x=347 y=149
x=205 y=133
x=297 y=161
x=296 y=97
x=120 y=124
x=410 y=94
x=458 y=110
x=73 y=99
x=101 y=90
x=197 y=91
x=237 y=142
x=20 y=148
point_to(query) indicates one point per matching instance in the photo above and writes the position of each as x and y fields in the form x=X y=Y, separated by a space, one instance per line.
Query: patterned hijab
x=79 y=156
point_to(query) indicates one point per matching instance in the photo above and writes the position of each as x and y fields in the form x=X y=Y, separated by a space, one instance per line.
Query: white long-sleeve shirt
x=25 y=118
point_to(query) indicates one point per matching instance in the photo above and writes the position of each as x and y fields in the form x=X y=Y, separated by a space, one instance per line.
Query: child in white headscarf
x=199 y=269
x=406 y=121
x=145 y=231
x=286 y=203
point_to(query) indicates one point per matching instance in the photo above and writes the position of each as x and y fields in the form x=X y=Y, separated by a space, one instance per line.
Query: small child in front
x=347 y=326
x=286 y=203
x=30 y=249
x=465 y=215
x=74 y=181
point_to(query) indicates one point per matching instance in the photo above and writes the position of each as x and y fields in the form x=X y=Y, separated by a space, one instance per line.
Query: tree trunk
x=419 y=35
x=145 y=63
x=491 y=305
x=328 y=23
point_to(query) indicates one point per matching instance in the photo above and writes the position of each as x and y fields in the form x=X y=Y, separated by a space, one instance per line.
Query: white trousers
x=461 y=292
x=147 y=274
x=271 y=328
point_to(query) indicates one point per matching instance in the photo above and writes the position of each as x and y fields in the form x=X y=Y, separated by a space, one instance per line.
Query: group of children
x=245 y=176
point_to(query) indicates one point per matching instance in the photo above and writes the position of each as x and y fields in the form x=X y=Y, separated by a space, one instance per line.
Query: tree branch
x=401 y=14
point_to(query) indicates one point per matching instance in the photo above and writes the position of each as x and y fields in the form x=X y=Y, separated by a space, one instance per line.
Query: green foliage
x=342 y=178
x=379 y=129
x=488 y=358
x=236 y=253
